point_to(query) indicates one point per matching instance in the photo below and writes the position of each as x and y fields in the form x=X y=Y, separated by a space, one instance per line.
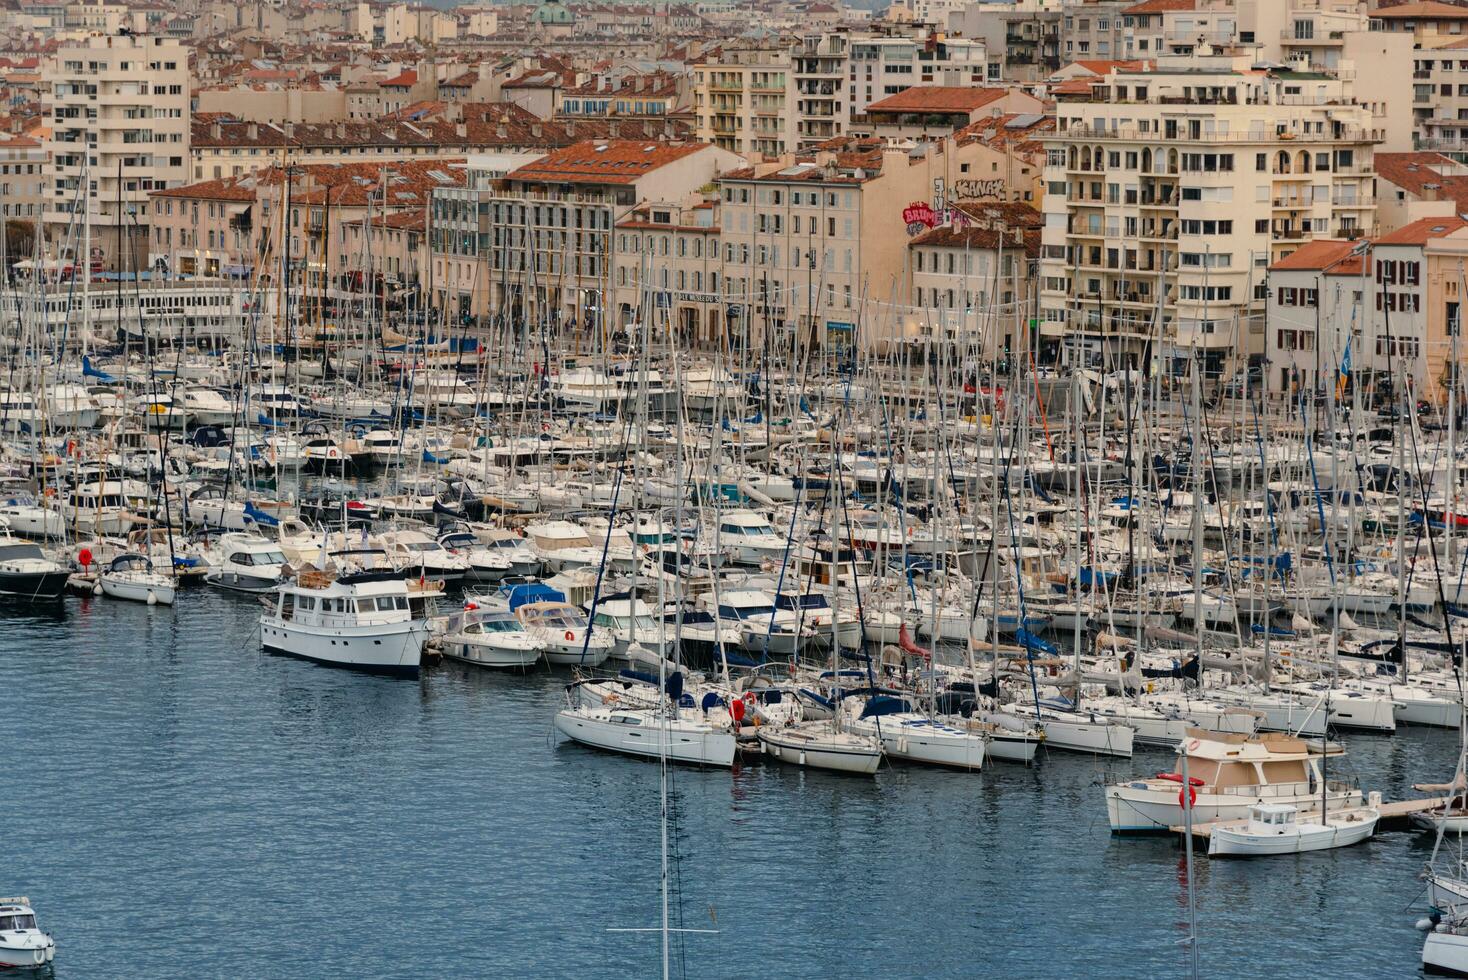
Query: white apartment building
x=1170 y=192
x=120 y=130
x=881 y=66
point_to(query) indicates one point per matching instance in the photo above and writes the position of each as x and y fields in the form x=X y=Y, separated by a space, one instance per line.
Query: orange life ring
x=570 y=636
x=1188 y=793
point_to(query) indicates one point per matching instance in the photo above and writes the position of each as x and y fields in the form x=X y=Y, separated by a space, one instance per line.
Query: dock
x=1394 y=816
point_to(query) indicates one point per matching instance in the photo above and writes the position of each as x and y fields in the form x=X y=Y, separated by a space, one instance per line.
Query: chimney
x=535 y=130
x=614 y=129
x=252 y=131
x=501 y=131
x=216 y=131
x=570 y=127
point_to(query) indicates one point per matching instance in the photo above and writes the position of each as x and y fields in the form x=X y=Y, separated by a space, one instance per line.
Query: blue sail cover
x=519 y=595
x=1033 y=643
x=259 y=516
x=90 y=372
x=884 y=705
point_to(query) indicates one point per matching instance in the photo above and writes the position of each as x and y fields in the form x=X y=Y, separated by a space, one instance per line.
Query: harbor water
x=178 y=804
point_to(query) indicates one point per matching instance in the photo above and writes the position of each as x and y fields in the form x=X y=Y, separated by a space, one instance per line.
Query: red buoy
x=736 y=708
x=85 y=557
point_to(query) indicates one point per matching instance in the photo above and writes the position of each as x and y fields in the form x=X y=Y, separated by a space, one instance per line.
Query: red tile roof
x=406 y=80
x=1419 y=231
x=1429 y=10
x=1319 y=254
x=938 y=98
x=608 y=162
x=979 y=238
x=1159 y=6
x=1424 y=175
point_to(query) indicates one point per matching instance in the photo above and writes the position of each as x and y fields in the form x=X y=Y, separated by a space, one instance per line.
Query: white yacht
x=820 y=745
x=490 y=638
x=749 y=538
x=247 y=563
x=23 y=514
x=371 y=620
x=632 y=623
x=97 y=509
x=417 y=555
x=22 y=944
x=564 y=632
x=206 y=406
x=914 y=737
x=484 y=563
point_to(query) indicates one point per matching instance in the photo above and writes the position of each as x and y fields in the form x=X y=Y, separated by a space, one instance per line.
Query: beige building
x=815 y=246
x=265 y=105
x=538 y=242
x=667 y=264
x=744 y=98
x=972 y=285
x=120 y=130
x=22 y=179
x=1171 y=191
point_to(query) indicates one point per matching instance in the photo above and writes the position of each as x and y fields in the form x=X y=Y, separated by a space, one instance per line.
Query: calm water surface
x=177 y=804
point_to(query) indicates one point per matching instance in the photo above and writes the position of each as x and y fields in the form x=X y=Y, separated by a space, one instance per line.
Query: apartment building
x=538 y=242
x=1023 y=36
x=1318 y=302
x=926 y=112
x=971 y=285
x=1170 y=192
x=1395 y=300
x=1094 y=30
x=879 y=67
x=821 y=108
x=22 y=179
x=667 y=264
x=744 y=98
x=815 y=245
x=120 y=130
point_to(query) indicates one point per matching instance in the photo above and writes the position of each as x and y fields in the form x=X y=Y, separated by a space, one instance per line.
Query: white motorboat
x=22 y=944
x=632 y=622
x=131 y=576
x=484 y=563
x=491 y=638
x=1227 y=774
x=819 y=745
x=749 y=538
x=24 y=515
x=565 y=634
x=417 y=555
x=371 y=620
x=247 y=563
x=1281 y=828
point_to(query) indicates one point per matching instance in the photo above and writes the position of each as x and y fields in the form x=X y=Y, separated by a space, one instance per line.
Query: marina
x=1110 y=606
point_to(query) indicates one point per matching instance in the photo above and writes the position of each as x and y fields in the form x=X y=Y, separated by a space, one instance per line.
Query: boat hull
x=691 y=746
x=397 y=651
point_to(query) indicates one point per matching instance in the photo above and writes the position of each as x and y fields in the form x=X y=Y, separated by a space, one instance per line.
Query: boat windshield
x=746 y=612
x=10 y=922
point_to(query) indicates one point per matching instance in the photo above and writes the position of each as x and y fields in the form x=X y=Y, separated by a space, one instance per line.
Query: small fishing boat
x=21 y=943
x=1277 y=828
